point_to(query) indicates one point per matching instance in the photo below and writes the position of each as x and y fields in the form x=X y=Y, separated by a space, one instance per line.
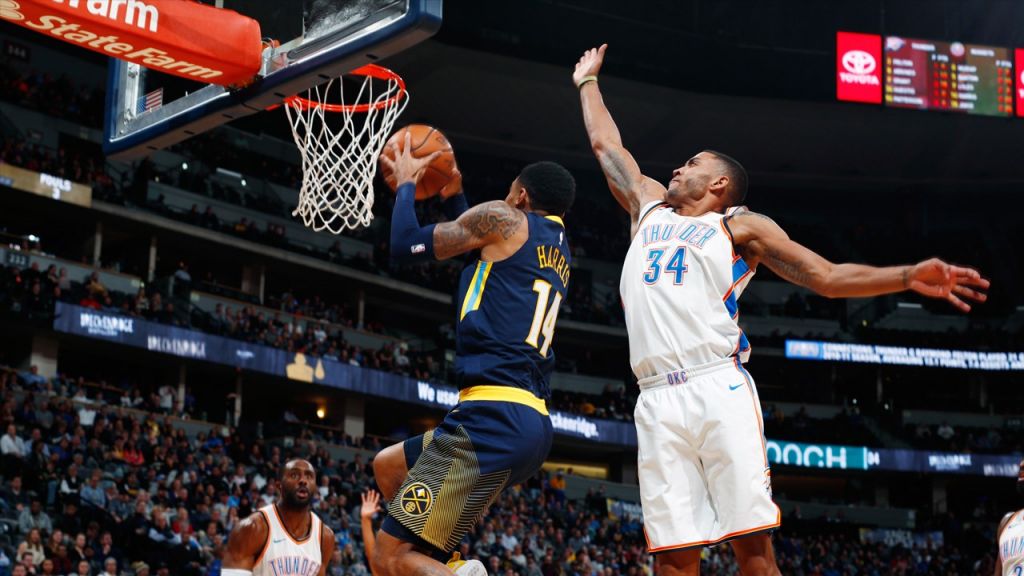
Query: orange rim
x=370 y=70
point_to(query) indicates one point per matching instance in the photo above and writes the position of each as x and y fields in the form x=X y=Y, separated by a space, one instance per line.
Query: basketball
x=425 y=141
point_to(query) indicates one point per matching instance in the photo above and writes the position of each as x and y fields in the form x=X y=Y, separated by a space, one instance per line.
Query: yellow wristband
x=586 y=79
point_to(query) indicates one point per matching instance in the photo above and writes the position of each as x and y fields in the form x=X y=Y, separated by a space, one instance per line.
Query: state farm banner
x=186 y=39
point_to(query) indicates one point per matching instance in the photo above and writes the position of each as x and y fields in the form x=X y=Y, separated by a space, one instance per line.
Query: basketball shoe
x=466 y=567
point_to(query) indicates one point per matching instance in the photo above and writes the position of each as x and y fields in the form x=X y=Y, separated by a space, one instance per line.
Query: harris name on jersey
x=552 y=257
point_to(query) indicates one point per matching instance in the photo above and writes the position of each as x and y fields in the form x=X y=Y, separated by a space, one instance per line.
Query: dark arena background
x=170 y=334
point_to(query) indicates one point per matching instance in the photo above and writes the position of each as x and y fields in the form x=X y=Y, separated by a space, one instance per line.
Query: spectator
x=181 y=274
x=47 y=568
x=209 y=219
x=92 y=494
x=945 y=432
x=34 y=518
x=94 y=287
x=63 y=280
x=15 y=495
x=13 y=448
x=32 y=545
x=109 y=567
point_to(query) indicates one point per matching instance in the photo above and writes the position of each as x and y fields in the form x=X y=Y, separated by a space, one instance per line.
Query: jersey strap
x=648 y=210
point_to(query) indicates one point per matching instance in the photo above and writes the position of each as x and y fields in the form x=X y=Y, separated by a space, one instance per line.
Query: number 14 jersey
x=507 y=312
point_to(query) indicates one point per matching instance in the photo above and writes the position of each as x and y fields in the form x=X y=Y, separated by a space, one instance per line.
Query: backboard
x=317 y=40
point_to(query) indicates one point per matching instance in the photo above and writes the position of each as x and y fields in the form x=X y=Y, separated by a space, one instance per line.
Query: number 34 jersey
x=507 y=312
x=680 y=284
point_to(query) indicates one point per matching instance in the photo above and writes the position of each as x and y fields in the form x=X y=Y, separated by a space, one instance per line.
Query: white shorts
x=704 y=474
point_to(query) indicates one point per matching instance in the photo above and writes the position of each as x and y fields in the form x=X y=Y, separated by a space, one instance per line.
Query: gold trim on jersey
x=503 y=394
x=557 y=219
x=475 y=290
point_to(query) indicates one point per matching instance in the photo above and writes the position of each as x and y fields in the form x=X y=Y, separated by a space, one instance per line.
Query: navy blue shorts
x=459 y=468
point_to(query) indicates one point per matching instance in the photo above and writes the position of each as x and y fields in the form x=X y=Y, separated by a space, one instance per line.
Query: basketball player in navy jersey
x=704 y=473
x=440 y=483
x=285 y=538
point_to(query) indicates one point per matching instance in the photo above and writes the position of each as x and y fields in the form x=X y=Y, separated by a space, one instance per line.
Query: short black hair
x=737 y=177
x=551 y=187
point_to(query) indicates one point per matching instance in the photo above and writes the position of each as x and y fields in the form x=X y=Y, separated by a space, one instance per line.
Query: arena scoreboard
x=955 y=77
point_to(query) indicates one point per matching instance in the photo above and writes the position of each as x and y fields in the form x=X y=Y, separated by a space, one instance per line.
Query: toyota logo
x=9 y=10
x=859 y=62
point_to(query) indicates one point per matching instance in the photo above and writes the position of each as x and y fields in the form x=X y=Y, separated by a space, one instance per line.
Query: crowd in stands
x=59 y=97
x=106 y=483
x=308 y=324
x=948 y=438
x=76 y=166
x=846 y=427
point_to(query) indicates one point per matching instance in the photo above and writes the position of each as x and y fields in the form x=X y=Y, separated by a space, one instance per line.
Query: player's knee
x=681 y=561
x=389 y=470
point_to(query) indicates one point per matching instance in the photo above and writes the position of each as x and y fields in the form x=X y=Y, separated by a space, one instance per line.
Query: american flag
x=151 y=101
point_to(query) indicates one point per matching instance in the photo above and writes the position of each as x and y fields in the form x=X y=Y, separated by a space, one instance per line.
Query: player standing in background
x=285 y=538
x=703 y=470
x=1010 y=537
x=439 y=484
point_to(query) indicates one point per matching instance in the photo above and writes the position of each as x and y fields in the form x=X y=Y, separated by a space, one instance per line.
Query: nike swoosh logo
x=279 y=540
x=735 y=387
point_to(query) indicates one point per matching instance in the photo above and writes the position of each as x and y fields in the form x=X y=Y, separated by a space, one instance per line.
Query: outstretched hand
x=371 y=505
x=937 y=279
x=589 y=64
x=401 y=162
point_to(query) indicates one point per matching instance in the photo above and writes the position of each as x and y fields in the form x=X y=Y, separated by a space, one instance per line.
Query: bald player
x=285 y=538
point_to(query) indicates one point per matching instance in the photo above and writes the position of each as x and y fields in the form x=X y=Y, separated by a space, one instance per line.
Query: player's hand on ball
x=371 y=505
x=405 y=166
x=454 y=186
x=937 y=279
x=589 y=64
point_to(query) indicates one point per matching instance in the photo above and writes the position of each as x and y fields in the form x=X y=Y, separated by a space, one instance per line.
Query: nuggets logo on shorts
x=416 y=499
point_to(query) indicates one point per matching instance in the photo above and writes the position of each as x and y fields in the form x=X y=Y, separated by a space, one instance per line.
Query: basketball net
x=340 y=144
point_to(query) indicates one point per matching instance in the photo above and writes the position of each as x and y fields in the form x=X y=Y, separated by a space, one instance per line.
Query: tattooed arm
x=484 y=224
x=630 y=187
x=760 y=240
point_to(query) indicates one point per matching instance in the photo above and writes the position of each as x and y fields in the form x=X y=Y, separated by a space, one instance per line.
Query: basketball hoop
x=339 y=157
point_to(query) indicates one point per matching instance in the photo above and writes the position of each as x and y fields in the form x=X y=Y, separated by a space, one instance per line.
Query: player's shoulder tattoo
x=476 y=225
x=746 y=212
x=493 y=217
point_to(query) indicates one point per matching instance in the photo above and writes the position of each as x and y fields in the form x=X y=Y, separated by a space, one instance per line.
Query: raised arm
x=761 y=240
x=370 y=507
x=630 y=187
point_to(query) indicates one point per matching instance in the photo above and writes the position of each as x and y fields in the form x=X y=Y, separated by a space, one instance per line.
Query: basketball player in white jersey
x=703 y=470
x=285 y=538
x=1010 y=537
